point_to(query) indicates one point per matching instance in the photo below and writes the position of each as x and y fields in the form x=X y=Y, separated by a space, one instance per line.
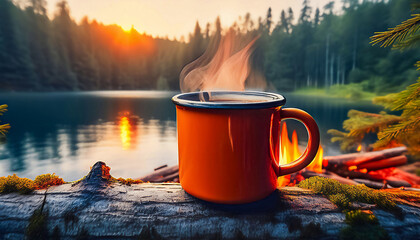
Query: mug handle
x=313 y=141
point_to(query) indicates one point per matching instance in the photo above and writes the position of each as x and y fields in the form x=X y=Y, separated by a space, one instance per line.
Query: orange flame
x=359 y=148
x=290 y=151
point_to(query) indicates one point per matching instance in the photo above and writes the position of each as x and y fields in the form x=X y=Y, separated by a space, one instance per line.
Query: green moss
x=128 y=181
x=354 y=193
x=359 y=217
x=13 y=183
x=37 y=227
x=16 y=184
x=340 y=200
x=47 y=180
x=362 y=225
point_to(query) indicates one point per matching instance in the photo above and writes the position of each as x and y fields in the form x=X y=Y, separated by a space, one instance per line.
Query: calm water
x=132 y=131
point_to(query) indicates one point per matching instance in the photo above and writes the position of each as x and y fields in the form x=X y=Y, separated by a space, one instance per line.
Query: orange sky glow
x=175 y=18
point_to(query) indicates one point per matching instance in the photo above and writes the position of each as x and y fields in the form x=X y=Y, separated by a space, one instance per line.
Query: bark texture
x=93 y=208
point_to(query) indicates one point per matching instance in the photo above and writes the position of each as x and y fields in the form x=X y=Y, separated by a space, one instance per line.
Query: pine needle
x=397 y=34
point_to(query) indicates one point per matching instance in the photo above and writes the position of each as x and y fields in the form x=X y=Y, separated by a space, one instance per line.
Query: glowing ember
x=351 y=168
x=359 y=148
x=396 y=174
x=290 y=151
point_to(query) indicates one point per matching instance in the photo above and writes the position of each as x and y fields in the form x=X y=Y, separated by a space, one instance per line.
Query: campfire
x=376 y=169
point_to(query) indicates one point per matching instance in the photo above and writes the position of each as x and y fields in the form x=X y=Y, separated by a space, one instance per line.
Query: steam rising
x=223 y=67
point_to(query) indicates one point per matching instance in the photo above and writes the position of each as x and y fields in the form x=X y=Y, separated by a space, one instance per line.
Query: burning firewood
x=355 y=159
x=384 y=163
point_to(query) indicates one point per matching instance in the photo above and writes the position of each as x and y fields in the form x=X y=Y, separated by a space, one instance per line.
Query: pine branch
x=360 y=123
x=4 y=128
x=3 y=108
x=410 y=42
x=347 y=143
x=397 y=34
x=401 y=100
x=404 y=127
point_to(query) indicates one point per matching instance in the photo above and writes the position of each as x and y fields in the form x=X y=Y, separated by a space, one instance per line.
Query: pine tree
x=390 y=129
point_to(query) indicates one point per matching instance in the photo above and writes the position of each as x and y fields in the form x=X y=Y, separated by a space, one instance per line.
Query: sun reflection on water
x=127 y=124
x=125 y=132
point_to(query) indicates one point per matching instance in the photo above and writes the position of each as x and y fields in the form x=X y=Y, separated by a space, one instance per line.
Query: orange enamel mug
x=229 y=142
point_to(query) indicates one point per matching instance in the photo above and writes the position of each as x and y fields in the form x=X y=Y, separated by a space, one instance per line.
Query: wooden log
x=384 y=163
x=160 y=173
x=394 y=182
x=351 y=159
x=395 y=174
x=96 y=208
x=308 y=174
x=167 y=178
x=372 y=184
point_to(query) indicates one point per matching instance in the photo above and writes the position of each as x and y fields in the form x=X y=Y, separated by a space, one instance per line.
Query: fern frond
x=397 y=34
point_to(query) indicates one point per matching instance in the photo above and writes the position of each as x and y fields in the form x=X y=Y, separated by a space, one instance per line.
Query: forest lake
x=132 y=131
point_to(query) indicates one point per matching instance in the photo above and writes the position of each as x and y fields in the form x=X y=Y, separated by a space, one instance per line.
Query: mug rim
x=188 y=100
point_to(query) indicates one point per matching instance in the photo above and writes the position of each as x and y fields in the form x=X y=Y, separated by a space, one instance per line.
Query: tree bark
x=95 y=208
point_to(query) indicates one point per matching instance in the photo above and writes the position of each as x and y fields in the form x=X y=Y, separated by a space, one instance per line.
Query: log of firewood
x=384 y=163
x=308 y=174
x=96 y=208
x=395 y=174
x=372 y=184
x=361 y=175
x=168 y=178
x=160 y=174
x=355 y=159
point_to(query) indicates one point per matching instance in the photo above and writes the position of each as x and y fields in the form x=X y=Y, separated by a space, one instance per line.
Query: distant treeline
x=315 y=48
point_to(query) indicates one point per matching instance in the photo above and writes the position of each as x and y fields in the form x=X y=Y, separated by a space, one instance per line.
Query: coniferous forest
x=315 y=47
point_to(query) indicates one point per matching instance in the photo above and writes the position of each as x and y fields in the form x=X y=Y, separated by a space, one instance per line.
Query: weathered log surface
x=105 y=210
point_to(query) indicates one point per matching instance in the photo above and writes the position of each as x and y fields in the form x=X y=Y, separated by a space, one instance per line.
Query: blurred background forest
x=313 y=48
